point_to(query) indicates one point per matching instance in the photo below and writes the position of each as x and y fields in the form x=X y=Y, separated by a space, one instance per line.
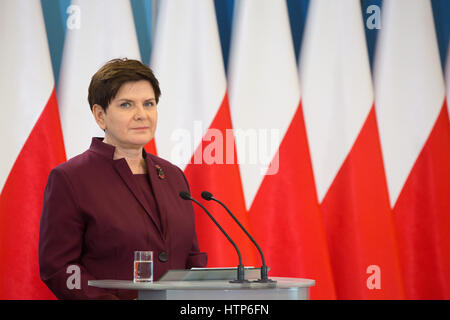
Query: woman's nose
x=139 y=112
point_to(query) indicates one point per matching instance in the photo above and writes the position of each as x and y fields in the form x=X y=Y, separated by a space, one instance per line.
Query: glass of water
x=143 y=266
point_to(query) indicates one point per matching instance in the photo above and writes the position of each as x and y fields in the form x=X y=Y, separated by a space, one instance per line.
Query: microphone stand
x=264 y=269
x=240 y=268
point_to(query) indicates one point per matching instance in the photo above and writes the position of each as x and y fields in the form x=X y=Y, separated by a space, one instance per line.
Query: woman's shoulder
x=84 y=162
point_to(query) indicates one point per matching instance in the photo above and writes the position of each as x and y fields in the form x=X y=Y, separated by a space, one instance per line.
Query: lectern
x=282 y=289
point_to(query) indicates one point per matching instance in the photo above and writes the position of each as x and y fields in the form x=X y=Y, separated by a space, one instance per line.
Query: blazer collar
x=106 y=150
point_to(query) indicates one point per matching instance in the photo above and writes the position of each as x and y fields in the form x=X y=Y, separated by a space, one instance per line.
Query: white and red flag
x=272 y=147
x=97 y=31
x=415 y=138
x=194 y=125
x=338 y=104
x=31 y=145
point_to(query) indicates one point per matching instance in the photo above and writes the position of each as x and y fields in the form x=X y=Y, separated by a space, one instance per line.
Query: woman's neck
x=133 y=156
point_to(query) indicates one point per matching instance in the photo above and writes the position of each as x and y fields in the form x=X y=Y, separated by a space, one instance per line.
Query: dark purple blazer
x=94 y=216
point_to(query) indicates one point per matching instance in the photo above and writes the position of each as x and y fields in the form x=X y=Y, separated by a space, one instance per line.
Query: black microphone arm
x=264 y=269
x=240 y=268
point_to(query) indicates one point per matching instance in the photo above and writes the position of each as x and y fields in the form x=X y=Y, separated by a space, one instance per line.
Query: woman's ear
x=99 y=115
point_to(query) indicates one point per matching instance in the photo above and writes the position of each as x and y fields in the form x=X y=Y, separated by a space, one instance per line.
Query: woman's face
x=130 y=119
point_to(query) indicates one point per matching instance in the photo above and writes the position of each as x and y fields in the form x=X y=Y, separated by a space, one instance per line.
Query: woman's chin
x=140 y=141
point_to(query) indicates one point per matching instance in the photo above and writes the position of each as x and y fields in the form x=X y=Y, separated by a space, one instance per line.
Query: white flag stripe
x=336 y=84
x=409 y=86
x=187 y=60
x=97 y=32
x=26 y=81
x=263 y=85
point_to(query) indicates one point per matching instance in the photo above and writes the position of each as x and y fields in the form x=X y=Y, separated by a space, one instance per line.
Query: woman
x=114 y=199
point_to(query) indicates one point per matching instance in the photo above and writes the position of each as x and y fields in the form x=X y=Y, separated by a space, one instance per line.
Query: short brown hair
x=108 y=79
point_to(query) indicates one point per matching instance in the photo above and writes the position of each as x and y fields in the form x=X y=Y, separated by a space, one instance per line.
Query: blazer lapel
x=127 y=176
x=159 y=186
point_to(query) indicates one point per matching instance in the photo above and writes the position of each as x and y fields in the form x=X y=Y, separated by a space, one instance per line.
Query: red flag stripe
x=359 y=223
x=21 y=204
x=422 y=216
x=224 y=182
x=286 y=219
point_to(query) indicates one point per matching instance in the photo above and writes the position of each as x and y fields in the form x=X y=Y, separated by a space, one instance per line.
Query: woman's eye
x=125 y=105
x=149 y=104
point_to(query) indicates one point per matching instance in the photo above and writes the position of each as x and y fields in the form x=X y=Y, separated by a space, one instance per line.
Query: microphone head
x=207 y=195
x=185 y=195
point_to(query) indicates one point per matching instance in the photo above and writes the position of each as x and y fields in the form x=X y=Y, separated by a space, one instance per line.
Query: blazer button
x=163 y=256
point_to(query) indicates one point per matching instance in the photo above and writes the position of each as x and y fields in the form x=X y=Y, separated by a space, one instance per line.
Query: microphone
x=264 y=269
x=240 y=268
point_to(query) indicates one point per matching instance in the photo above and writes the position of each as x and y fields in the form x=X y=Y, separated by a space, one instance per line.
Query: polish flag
x=340 y=119
x=415 y=138
x=31 y=145
x=97 y=31
x=272 y=148
x=194 y=124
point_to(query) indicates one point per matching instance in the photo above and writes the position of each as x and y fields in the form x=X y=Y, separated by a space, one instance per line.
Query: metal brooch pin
x=160 y=172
